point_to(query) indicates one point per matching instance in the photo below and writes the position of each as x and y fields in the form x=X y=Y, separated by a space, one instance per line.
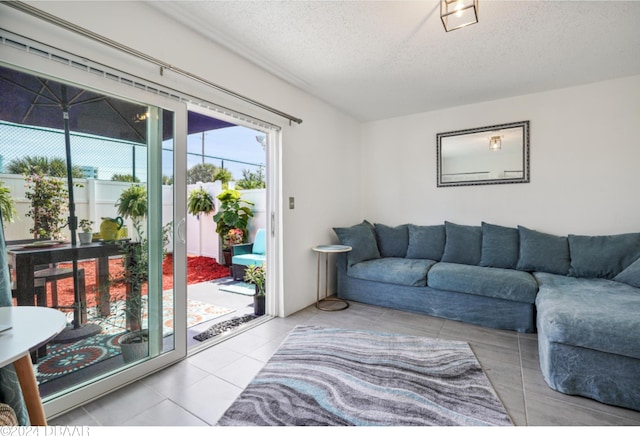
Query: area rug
x=224 y=327
x=329 y=376
x=197 y=312
x=64 y=359
x=237 y=287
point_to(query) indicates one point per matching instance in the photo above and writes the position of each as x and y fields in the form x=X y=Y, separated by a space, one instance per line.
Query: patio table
x=25 y=258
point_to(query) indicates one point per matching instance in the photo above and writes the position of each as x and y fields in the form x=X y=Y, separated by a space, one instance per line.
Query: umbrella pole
x=72 y=220
x=78 y=331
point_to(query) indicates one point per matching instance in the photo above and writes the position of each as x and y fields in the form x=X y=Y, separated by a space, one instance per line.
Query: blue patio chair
x=244 y=255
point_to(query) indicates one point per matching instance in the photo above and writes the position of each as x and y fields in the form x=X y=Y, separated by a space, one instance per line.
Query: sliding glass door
x=78 y=161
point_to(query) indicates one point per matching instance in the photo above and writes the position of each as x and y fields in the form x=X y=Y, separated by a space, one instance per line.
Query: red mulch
x=199 y=269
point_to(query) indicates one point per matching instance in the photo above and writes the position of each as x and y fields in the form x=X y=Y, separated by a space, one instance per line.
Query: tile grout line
x=524 y=392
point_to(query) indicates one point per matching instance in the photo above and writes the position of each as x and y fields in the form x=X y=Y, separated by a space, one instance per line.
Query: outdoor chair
x=243 y=255
x=51 y=274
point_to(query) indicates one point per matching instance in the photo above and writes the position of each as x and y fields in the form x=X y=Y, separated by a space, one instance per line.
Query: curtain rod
x=38 y=13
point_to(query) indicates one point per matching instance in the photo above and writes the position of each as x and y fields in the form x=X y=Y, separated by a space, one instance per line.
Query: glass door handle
x=180 y=231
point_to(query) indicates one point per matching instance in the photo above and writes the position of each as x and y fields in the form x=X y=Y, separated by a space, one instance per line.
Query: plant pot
x=134 y=345
x=226 y=256
x=85 y=237
x=258 y=305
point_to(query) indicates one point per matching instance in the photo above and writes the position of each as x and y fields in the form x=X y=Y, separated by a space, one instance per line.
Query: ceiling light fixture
x=495 y=143
x=456 y=14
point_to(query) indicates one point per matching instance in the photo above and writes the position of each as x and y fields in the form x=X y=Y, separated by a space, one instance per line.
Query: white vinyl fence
x=95 y=199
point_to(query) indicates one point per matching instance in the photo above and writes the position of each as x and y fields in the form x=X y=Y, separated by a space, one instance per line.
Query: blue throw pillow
x=426 y=242
x=463 y=244
x=392 y=241
x=362 y=239
x=543 y=252
x=602 y=256
x=500 y=246
x=630 y=275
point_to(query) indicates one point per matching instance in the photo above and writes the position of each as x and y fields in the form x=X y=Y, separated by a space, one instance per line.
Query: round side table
x=30 y=328
x=326 y=250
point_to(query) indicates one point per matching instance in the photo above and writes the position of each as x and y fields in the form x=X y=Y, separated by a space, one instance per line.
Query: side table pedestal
x=326 y=250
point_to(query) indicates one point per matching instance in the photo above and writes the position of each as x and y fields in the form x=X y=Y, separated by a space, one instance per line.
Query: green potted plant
x=49 y=198
x=132 y=204
x=234 y=213
x=87 y=231
x=256 y=274
x=7 y=204
x=200 y=201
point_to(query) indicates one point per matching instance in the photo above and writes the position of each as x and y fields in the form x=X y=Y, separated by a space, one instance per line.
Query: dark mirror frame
x=521 y=178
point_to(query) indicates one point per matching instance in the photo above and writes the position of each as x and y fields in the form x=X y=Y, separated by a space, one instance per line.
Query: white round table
x=326 y=250
x=30 y=328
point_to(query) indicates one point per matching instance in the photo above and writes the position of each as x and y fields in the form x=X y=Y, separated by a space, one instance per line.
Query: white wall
x=319 y=157
x=585 y=154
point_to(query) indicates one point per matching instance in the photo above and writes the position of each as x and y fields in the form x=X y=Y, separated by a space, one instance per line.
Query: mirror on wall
x=484 y=155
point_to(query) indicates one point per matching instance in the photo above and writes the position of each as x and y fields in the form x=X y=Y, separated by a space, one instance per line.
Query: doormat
x=330 y=376
x=224 y=327
x=238 y=287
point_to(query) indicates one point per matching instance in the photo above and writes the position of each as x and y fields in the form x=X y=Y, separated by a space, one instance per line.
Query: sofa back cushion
x=630 y=275
x=542 y=252
x=362 y=239
x=426 y=242
x=392 y=241
x=500 y=246
x=602 y=256
x=463 y=244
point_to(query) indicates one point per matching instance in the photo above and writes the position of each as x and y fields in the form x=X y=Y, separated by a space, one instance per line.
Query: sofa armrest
x=241 y=249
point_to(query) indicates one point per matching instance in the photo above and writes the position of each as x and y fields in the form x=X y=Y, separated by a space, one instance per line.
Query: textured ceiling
x=377 y=60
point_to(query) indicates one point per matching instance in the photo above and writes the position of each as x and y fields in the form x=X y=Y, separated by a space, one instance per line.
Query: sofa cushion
x=248 y=259
x=392 y=241
x=602 y=256
x=463 y=244
x=409 y=272
x=598 y=314
x=500 y=246
x=506 y=284
x=630 y=275
x=543 y=252
x=426 y=242
x=362 y=239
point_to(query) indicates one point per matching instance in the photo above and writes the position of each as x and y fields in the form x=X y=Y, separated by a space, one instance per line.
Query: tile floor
x=197 y=391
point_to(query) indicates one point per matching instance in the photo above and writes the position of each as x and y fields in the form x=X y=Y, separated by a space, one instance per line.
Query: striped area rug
x=329 y=376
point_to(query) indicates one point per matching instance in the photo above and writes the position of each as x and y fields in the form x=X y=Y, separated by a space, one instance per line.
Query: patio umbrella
x=36 y=101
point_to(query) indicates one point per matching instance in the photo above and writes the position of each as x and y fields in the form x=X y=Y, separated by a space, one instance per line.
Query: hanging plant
x=133 y=204
x=200 y=201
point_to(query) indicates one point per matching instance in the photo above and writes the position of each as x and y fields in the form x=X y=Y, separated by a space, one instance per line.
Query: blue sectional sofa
x=581 y=294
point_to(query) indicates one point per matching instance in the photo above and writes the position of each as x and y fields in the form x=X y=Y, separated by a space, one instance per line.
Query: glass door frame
x=274 y=258
x=90 y=391
x=63 y=403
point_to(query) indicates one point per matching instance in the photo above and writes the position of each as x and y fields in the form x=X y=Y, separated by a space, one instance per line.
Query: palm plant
x=7 y=205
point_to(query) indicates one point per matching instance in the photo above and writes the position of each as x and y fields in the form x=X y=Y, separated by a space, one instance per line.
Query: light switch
x=292 y=203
